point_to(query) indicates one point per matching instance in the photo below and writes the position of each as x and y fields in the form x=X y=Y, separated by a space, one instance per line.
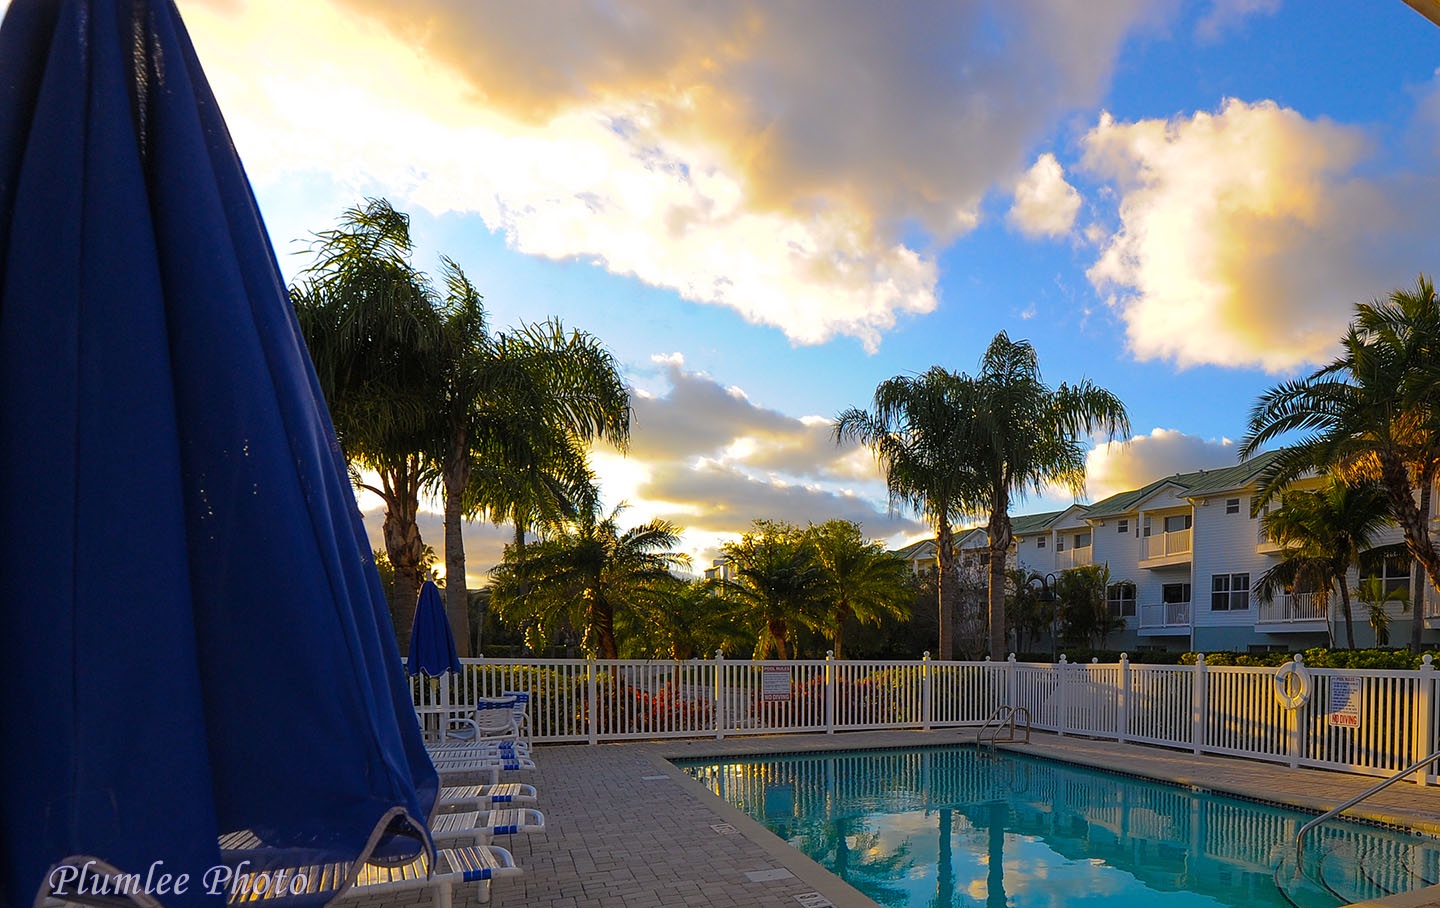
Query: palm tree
x=549 y=395
x=1021 y=435
x=1321 y=533
x=371 y=323
x=861 y=580
x=1369 y=414
x=683 y=619
x=777 y=586
x=916 y=432
x=584 y=573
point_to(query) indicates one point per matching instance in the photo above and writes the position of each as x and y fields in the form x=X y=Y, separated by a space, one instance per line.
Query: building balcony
x=1164 y=618
x=1164 y=549
x=1073 y=558
x=1298 y=612
x=1264 y=545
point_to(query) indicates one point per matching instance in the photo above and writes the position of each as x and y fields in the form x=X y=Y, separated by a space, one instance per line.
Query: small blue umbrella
x=196 y=641
x=432 y=646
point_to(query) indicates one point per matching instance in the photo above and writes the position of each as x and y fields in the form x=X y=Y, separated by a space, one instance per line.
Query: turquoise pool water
x=960 y=827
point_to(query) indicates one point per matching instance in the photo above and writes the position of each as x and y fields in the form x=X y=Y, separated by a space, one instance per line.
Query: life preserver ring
x=1292 y=685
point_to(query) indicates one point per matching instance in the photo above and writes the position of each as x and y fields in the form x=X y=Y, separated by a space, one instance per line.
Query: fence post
x=1063 y=719
x=1012 y=693
x=1424 y=718
x=717 y=710
x=1122 y=710
x=830 y=692
x=1297 y=731
x=592 y=696
x=1198 y=703
x=926 y=701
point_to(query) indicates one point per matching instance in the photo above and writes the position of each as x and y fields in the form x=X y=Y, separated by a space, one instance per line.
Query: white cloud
x=1119 y=466
x=759 y=156
x=1045 y=204
x=1228 y=14
x=1246 y=235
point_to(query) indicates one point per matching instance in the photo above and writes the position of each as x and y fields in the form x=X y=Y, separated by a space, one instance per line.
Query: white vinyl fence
x=1366 y=721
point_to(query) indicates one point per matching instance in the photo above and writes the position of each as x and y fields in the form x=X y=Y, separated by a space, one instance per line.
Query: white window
x=1120 y=597
x=1232 y=506
x=1122 y=526
x=1059 y=543
x=1394 y=571
x=1177 y=522
x=1175 y=593
x=1039 y=542
x=1229 y=592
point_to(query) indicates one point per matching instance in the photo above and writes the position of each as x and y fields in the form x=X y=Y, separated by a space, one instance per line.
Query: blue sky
x=767 y=208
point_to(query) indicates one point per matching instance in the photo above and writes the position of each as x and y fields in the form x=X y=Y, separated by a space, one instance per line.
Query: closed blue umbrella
x=195 y=639
x=432 y=646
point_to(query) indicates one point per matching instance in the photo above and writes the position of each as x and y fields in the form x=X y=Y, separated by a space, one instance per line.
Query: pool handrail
x=1001 y=717
x=1374 y=789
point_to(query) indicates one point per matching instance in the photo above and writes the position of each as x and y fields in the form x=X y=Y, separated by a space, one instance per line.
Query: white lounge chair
x=491 y=765
x=254 y=878
x=485 y=797
x=483 y=825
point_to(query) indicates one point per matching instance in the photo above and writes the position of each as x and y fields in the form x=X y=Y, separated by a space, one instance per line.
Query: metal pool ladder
x=1004 y=719
x=1374 y=789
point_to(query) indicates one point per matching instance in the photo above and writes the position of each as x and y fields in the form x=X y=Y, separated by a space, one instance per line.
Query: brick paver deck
x=627 y=830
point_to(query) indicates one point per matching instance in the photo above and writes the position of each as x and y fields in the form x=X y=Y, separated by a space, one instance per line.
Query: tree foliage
x=1368 y=414
x=583 y=575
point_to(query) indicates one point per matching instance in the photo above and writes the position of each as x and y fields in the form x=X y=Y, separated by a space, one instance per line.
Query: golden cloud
x=752 y=155
x=1246 y=235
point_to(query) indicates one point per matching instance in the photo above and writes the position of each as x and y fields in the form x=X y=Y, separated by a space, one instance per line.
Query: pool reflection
x=953 y=826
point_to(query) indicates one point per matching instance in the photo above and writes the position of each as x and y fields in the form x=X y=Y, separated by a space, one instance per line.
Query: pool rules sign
x=1343 y=709
x=774 y=683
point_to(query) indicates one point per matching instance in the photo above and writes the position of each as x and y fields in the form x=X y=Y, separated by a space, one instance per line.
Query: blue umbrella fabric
x=196 y=641
x=432 y=645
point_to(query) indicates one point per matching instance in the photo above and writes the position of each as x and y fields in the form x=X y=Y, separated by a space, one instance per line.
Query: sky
x=765 y=209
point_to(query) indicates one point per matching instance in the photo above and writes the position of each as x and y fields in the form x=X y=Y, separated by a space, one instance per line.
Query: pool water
x=957 y=826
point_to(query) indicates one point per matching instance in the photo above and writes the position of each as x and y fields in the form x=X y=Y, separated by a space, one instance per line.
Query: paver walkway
x=625 y=829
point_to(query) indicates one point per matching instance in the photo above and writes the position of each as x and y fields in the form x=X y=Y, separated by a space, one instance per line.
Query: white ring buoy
x=1296 y=695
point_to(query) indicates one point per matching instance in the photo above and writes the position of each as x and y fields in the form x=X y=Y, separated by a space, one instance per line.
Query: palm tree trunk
x=1000 y=536
x=457 y=596
x=778 y=631
x=406 y=550
x=945 y=556
x=1413 y=523
x=1346 y=613
x=1417 y=605
x=602 y=620
x=842 y=614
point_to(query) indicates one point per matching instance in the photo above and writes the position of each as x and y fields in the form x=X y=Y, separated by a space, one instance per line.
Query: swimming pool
x=957 y=826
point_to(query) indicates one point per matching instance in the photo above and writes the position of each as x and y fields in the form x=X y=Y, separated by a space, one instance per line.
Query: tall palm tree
x=550 y=394
x=1322 y=533
x=860 y=580
x=916 y=431
x=371 y=323
x=1021 y=435
x=585 y=572
x=1368 y=414
x=777 y=585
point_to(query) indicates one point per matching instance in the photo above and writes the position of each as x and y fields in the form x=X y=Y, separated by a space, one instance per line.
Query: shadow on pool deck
x=625 y=829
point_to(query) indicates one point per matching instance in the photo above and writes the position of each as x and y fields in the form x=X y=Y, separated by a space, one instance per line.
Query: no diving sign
x=1344 y=707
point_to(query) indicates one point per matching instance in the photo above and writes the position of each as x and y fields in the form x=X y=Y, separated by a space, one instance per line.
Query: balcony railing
x=1073 y=558
x=1289 y=609
x=1164 y=545
x=1164 y=615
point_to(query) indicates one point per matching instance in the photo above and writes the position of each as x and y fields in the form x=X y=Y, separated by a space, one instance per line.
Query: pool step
x=1334 y=874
